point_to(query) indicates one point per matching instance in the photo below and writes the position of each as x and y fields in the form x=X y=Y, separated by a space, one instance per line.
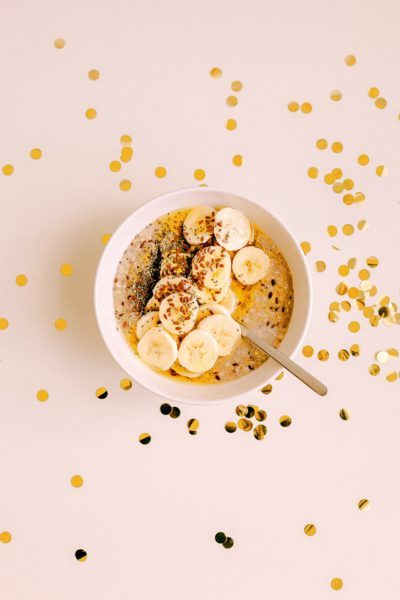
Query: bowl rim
x=148 y=384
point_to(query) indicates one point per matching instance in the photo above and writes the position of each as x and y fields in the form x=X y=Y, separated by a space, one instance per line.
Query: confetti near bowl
x=176 y=390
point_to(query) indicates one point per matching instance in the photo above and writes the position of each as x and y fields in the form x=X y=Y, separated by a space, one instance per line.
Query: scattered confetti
x=350 y=60
x=337 y=147
x=76 y=481
x=93 y=74
x=42 y=395
x=381 y=171
x=3 y=323
x=199 y=174
x=125 y=384
x=306 y=247
x=91 y=113
x=285 y=421
x=237 y=160
x=308 y=351
x=293 y=106
x=344 y=414
x=21 y=280
x=231 y=124
x=236 y=86
x=66 y=269
x=215 y=72
x=193 y=426
x=125 y=185
x=336 y=583
x=60 y=324
x=8 y=170
x=5 y=537
x=312 y=172
x=160 y=172
x=144 y=438
x=81 y=555
x=364 y=505
x=363 y=160
x=306 y=108
x=35 y=153
x=231 y=101
x=310 y=529
x=320 y=266
x=101 y=393
x=230 y=427
x=336 y=95
x=59 y=43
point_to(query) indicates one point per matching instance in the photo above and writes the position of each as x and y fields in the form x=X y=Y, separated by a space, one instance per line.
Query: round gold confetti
x=348 y=229
x=348 y=184
x=66 y=269
x=337 y=147
x=374 y=321
x=81 y=555
x=59 y=43
x=323 y=355
x=76 y=481
x=245 y=424
x=393 y=352
x=125 y=384
x=125 y=139
x=391 y=377
x=354 y=292
x=231 y=124
x=21 y=280
x=364 y=274
x=160 y=172
x=236 y=86
x=101 y=393
x=241 y=410
x=352 y=263
x=334 y=306
x=364 y=504
x=231 y=101
x=332 y=230
x=5 y=537
x=310 y=529
x=333 y=316
x=343 y=354
x=199 y=174
x=3 y=323
x=380 y=103
x=306 y=247
x=312 y=172
x=343 y=270
x=341 y=288
x=308 y=351
x=105 y=237
x=372 y=262
x=42 y=395
x=382 y=356
x=355 y=350
x=363 y=160
x=350 y=60
x=373 y=92
x=344 y=414
x=359 y=197
x=93 y=74
x=115 y=166
x=346 y=306
x=337 y=187
x=259 y=432
x=260 y=415
x=285 y=421
x=293 y=106
x=144 y=438
x=336 y=583
x=91 y=113
x=215 y=72
x=320 y=266
x=125 y=185
x=381 y=171
x=321 y=144
x=306 y=108
x=348 y=199
x=35 y=153
x=237 y=160
x=126 y=154
x=374 y=369
x=267 y=389
x=354 y=326
x=336 y=95
x=8 y=170
x=230 y=427
x=193 y=426
x=60 y=324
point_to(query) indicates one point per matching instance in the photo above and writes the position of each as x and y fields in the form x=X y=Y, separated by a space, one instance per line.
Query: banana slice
x=211 y=308
x=204 y=295
x=158 y=349
x=184 y=372
x=198 y=351
x=232 y=229
x=198 y=226
x=230 y=301
x=225 y=330
x=146 y=322
x=170 y=285
x=250 y=265
x=178 y=312
x=212 y=267
x=152 y=305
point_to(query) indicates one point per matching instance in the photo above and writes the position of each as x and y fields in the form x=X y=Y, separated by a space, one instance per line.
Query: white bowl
x=192 y=393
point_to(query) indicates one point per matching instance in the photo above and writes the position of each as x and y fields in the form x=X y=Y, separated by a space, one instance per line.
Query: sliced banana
x=204 y=295
x=146 y=322
x=250 y=265
x=184 y=372
x=169 y=285
x=230 y=301
x=212 y=267
x=178 y=312
x=211 y=308
x=225 y=330
x=198 y=351
x=198 y=227
x=158 y=349
x=152 y=305
x=232 y=229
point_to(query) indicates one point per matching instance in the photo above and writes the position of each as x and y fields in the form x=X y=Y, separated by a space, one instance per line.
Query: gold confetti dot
x=320 y=266
x=364 y=504
x=35 y=153
x=310 y=529
x=66 y=269
x=125 y=139
x=306 y=108
x=21 y=280
x=348 y=229
x=8 y=170
x=231 y=101
x=312 y=172
x=193 y=426
x=382 y=356
x=336 y=583
x=3 y=323
x=91 y=113
x=343 y=270
x=306 y=247
x=293 y=106
x=336 y=95
x=76 y=481
x=336 y=173
x=125 y=384
x=126 y=154
x=341 y=288
x=60 y=324
x=199 y=174
x=381 y=171
x=321 y=144
x=374 y=369
x=346 y=306
x=245 y=424
x=323 y=355
x=329 y=179
x=337 y=187
x=380 y=103
x=125 y=185
x=373 y=92
x=391 y=377
x=237 y=160
x=363 y=160
x=42 y=395
x=348 y=199
x=343 y=354
x=267 y=389
x=359 y=197
x=81 y=555
x=105 y=237
x=259 y=432
x=332 y=230
x=144 y=438
x=354 y=326
x=344 y=414
x=59 y=43
x=285 y=421
x=364 y=274
x=333 y=316
x=355 y=350
x=348 y=184
x=101 y=393
x=115 y=166
x=215 y=72
x=372 y=262
x=350 y=60
x=5 y=537
x=236 y=86
x=393 y=352
x=363 y=225
x=93 y=74
x=160 y=172
x=337 y=147
x=230 y=427
x=231 y=124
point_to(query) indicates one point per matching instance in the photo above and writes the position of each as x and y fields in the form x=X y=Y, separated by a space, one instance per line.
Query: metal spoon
x=285 y=361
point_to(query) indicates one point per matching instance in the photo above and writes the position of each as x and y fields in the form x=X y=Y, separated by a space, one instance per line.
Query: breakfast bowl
x=182 y=389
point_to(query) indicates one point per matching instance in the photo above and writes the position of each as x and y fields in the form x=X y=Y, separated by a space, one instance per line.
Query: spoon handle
x=312 y=382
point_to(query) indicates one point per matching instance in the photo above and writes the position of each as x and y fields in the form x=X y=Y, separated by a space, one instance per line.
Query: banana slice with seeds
x=158 y=349
x=204 y=295
x=146 y=322
x=198 y=227
x=211 y=308
x=250 y=265
x=170 y=285
x=178 y=312
x=152 y=305
x=232 y=229
x=198 y=351
x=225 y=330
x=211 y=267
